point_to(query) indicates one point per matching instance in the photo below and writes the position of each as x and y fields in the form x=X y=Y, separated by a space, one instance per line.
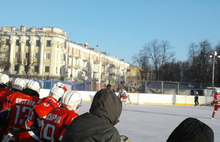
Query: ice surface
x=154 y=123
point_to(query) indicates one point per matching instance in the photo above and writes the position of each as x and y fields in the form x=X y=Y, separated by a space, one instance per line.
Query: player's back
x=4 y=93
x=19 y=106
x=55 y=124
x=217 y=98
x=45 y=105
x=35 y=117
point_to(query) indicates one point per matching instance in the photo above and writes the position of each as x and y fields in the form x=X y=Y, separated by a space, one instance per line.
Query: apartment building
x=47 y=53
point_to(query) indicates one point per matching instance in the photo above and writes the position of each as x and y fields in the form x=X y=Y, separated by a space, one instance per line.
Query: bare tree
x=4 y=53
x=143 y=65
x=158 y=53
x=27 y=62
x=192 y=52
x=217 y=73
x=199 y=62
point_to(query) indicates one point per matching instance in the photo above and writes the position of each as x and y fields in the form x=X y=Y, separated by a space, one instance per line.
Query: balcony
x=78 y=66
x=69 y=66
x=85 y=68
x=112 y=71
x=76 y=55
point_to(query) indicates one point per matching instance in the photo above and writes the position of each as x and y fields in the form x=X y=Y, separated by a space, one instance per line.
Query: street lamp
x=213 y=55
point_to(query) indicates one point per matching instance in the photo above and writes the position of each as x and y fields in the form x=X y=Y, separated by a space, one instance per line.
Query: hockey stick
x=125 y=138
x=10 y=135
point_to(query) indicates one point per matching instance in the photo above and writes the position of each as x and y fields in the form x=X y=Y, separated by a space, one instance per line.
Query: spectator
x=192 y=130
x=108 y=87
x=98 y=124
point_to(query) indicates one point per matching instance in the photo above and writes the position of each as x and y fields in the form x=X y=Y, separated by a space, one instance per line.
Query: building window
x=17 y=42
x=37 y=42
x=47 y=56
x=16 y=68
x=36 y=68
x=37 y=55
x=27 y=55
x=48 y=43
x=56 y=70
x=27 y=42
x=47 y=69
x=8 y=42
x=64 y=57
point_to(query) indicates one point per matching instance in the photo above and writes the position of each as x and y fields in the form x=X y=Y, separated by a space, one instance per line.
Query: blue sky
x=121 y=27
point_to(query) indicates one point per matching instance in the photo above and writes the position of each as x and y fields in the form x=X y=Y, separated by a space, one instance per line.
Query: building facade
x=47 y=53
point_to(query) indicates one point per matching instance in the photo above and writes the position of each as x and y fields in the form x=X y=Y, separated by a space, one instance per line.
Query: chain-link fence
x=167 y=87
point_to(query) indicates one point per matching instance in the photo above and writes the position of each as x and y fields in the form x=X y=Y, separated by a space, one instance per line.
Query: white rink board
x=145 y=98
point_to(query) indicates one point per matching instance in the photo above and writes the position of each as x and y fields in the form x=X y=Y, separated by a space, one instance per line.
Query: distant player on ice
x=123 y=95
x=216 y=103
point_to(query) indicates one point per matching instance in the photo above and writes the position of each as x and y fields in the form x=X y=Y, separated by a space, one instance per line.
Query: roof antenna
x=97 y=47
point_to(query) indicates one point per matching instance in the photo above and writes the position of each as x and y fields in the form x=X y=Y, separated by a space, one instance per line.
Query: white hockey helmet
x=26 y=80
x=71 y=100
x=56 y=92
x=61 y=85
x=4 y=79
x=19 y=84
x=33 y=85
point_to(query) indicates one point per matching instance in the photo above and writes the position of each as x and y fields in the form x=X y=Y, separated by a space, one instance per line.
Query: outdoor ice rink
x=154 y=123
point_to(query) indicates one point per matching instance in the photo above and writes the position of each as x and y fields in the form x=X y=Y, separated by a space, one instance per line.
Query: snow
x=154 y=123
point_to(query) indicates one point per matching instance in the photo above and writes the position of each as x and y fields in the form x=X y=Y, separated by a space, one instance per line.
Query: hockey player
x=216 y=103
x=123 y=95
x=17 y=108
x=56 y=121
x=97 y=125
x=61 y=85
x=19 y=85
x=39 y=113
x=4 y=91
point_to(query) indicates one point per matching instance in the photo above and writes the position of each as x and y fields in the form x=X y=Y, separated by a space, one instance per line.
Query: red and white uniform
x=35 y=118
x=216 y=101
x=19 y=106
x=55 y=124
x=122 y=94
x=4 y=93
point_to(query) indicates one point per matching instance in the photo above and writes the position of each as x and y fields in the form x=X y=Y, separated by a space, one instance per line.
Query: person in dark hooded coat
x=97 y=125
x=191 y=130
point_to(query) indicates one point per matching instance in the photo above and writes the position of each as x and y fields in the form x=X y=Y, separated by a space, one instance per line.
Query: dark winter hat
x=192 y=130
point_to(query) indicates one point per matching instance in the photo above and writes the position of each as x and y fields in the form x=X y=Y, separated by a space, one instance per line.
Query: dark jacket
x=98 y=125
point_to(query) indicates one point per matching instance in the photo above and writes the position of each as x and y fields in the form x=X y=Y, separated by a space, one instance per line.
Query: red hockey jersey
x=55 y=124
x=4 y=93
x=19 y=106
x=217 y=99
x=35 y=117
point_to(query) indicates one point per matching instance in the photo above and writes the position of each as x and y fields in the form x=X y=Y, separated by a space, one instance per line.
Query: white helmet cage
x=56 y=92
x=72 y=100
x=33 y=85
x=4 y=79
x=61 y=85
x=19 y=84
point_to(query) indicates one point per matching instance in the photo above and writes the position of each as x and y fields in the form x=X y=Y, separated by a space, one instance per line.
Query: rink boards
x=145 y=98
